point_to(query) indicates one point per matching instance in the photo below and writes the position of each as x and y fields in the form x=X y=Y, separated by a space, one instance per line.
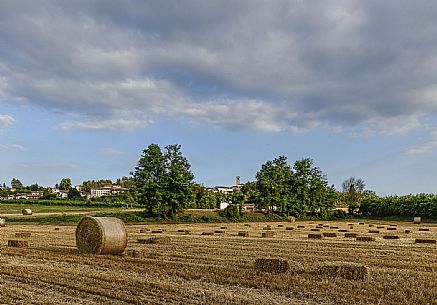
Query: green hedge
x=424 y=205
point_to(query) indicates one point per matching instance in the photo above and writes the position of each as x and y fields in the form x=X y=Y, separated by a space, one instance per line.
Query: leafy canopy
x=163 y=180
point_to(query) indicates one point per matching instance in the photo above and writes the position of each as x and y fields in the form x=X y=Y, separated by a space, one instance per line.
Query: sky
x=85 y=86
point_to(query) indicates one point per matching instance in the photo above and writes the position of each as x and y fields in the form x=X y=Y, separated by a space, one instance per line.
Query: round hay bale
x=101 y=235
x=291 y=219
x=2 y=222
x=417 y=220
x=26 y=211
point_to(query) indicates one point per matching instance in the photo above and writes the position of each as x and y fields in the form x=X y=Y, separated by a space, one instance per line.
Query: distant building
x=107 y=191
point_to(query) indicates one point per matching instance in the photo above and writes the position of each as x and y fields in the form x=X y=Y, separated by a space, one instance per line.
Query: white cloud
x=12 y=147
x=123 y=124
x=423 y=148
x=112 y=151
x=6 y=120
x=52 y=166
x=268 y=66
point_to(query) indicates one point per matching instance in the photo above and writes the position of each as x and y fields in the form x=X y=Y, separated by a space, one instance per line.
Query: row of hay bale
x=350 y=271
x=22 y=242
x=365 y=238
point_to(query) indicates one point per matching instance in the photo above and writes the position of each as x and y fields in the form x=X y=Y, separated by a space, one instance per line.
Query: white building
x=107 y=191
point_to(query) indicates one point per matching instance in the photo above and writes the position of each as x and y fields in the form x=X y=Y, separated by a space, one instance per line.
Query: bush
x=232 y=211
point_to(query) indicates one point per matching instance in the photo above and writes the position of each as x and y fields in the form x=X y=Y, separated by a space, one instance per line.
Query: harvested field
x=219 y=269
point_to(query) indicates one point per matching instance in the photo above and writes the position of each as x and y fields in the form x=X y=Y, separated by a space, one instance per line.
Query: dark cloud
x=276 y=66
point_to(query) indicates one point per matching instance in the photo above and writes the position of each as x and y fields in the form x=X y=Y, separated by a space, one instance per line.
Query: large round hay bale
x=26 y=211
x=101 y=235
x=2 y=222
x=291 y=219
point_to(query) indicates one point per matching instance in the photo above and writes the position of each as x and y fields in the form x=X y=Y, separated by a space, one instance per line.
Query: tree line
x=164 y=185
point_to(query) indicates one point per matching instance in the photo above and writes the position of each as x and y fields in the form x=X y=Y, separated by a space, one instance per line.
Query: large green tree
x=16 y=184
x=65 y=184
x=294 y=191
x=273 y=182
x=163 y=180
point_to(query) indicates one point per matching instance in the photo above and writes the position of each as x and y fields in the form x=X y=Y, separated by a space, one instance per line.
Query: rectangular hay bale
x=425 y=241
x=349 y=271
x=155 y=240
x=18 y=243
x=207 y=233
x=391 y=229
x=365 y=238
x=350 y=235
x=315 y=230
x=272 y=265
x=315 y=236
x=243 y=233
x=23 y=234
x=289 y=228
x=390 y=237
x=329 y=234
x=423 y=229
x=268 y=234
x=374 y=231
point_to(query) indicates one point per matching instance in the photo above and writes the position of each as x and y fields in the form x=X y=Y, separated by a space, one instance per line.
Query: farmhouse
x=107 y=191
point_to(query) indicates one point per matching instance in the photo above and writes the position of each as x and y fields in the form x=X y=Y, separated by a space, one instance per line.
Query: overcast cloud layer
x=264 y=65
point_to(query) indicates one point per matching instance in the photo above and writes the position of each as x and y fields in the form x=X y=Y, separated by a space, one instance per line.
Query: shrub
x=232 y=211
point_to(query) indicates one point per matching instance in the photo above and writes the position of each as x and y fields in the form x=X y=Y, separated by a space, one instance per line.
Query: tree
x=163 y=181
x=73 y=193
x=272 y=182
x=353 y=189
x=312 y=190
x=294 y=191
x=65 y=184
x=16 y=184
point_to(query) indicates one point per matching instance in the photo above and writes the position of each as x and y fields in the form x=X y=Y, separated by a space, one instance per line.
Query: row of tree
x=424 y=205
x=164 y=186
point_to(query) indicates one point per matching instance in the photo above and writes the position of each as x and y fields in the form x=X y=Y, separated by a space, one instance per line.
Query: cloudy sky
x=85 y=86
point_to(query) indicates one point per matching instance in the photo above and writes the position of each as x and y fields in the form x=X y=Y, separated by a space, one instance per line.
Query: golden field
x=219 y=268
